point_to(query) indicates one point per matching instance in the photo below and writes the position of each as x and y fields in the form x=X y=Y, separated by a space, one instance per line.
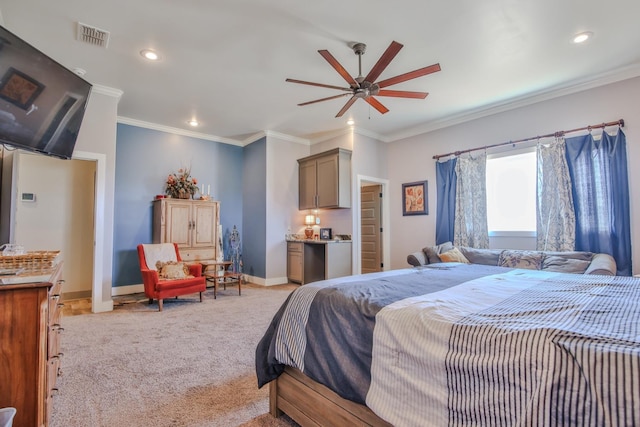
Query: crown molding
x=177 y=131
x=109 y=91
x=287 y=137
x=575 y=86
x=272 y=134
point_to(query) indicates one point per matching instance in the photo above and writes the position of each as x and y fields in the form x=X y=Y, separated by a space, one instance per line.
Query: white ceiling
x=225 y=62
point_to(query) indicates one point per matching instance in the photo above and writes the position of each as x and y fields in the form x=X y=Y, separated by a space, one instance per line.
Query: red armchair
x=158 y=288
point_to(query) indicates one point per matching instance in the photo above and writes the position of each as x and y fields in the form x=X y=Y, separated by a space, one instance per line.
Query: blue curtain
x=598 y=171
x=446 y=200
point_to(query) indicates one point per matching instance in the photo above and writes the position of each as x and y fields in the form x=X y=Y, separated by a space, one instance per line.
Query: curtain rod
x=555 y=134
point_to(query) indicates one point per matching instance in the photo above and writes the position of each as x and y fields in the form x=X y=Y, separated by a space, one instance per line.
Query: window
x=511 y=194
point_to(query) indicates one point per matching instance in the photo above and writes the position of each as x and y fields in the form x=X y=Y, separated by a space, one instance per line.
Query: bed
x=456 y=344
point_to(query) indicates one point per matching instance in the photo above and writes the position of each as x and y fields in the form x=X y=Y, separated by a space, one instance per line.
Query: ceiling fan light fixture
x=582 y=37
x=367 y=87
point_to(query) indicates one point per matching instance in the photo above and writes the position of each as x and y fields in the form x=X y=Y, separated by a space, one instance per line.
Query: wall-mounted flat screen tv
x=42 y=103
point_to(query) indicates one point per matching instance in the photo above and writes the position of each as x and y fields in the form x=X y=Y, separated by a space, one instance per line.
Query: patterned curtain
x=556 y=219
x=471 y=203
x=446 y=200
x=598 y=172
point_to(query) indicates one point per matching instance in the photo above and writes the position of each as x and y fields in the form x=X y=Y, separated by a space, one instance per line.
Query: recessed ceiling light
x=149 y=54
x=350 y=122
x=193 y=122
x=582 y=37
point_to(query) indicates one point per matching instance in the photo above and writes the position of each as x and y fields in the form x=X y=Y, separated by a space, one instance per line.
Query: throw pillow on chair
x=172 y=270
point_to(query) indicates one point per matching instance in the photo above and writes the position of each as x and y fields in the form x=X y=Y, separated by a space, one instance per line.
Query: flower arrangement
x=181 y=185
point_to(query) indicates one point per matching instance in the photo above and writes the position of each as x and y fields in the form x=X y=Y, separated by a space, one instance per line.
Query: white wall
x=98 y=135
x=411 y=159
x=282 y=203
x=61 y=217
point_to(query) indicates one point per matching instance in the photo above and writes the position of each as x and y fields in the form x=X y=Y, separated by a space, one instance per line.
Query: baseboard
x=266 y=282
x=67 y=296
x=126 y=290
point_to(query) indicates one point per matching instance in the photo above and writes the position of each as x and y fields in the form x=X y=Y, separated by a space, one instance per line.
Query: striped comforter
x=467 y=345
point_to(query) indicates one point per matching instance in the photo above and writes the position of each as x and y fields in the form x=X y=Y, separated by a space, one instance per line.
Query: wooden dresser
x=30 y=313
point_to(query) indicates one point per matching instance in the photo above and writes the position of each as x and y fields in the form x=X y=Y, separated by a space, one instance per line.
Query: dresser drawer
x=53 y=371
x=53 y=340
x=294 y=247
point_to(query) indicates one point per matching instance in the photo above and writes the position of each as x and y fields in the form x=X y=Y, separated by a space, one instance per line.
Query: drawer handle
x=60 y=281
x=54 y=392
x=59 y=374
x=56 y=296
x=60 y=305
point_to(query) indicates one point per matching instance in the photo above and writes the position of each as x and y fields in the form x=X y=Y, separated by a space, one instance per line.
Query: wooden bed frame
x=312 y=404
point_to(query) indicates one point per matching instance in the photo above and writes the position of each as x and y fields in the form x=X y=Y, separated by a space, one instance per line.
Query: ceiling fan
x=366 y=87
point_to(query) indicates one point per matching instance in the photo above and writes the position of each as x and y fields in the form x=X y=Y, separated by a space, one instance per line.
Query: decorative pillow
x=481 y=256
x=565 y=265
x=432 y=252
x=454 y=255
x=530 y=260
x=172 y=270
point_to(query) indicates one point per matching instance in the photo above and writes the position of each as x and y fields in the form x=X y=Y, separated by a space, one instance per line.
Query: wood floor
x=83 y=305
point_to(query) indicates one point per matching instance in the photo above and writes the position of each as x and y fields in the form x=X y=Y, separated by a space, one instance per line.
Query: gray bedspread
x=329 y=325
x=466 y=345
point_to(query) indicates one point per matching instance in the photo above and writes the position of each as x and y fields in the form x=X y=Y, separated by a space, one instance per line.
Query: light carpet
x=190 y=365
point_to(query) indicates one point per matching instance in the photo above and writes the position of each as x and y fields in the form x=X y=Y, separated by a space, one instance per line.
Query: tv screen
x=42 y=103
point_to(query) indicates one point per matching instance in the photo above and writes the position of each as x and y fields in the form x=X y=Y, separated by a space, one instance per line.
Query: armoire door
x=179 y=224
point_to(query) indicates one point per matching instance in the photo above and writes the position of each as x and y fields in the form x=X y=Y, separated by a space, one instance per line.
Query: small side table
x=222 y=274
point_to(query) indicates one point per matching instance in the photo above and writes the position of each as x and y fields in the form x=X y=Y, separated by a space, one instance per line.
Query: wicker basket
x=29 y=261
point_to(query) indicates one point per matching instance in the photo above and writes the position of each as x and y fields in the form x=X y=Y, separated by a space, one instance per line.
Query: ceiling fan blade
x=376 y=104
x=346 y=106
x=323 y=99
x=384 y=60
x=410 y=75
x=348 y=89
x=402 y=94
x=339 y=68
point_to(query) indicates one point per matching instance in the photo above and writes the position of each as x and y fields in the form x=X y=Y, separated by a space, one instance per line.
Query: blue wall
x=254 y=199
x=144 y=158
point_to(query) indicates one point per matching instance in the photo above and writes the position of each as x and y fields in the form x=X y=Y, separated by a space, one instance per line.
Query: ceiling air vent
x=93 y=35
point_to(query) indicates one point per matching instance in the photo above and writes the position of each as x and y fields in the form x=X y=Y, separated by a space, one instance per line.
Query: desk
x=221 y=272
x=312 y=260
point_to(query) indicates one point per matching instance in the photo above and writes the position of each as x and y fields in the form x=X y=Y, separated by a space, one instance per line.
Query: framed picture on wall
x=19 y=89
x=325 y=234
x=414 y=198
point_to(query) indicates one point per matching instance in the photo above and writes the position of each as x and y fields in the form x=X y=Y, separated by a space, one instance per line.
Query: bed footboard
x=311 y=404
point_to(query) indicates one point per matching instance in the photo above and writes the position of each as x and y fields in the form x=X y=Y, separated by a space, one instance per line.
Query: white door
x=61 y=217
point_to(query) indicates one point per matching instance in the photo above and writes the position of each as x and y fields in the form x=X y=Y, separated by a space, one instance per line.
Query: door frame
x=386 y=223
x=98 y=304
